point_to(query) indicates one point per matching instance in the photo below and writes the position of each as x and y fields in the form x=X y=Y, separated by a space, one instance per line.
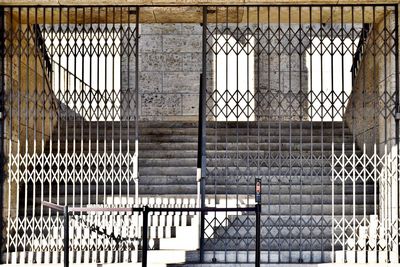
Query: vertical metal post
x=397 y=125
x=202 y=132
x=199 y=146
x=144 y=235
x=201 y=178
x=66 y=237
x=258 y=235
x=136 y=167
x=258 y=221
x=2 y=94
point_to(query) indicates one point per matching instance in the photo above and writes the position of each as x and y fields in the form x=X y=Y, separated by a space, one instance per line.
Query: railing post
x=258 y=235
x=144 y=235
x=66 y=237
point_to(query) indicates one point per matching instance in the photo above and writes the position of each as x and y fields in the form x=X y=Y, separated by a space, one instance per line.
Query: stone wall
x=370 y=110
x=283 y=87
x=169 y=71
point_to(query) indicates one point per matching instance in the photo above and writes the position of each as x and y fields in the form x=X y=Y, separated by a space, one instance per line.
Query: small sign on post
x=258 y=222
x=258 y=190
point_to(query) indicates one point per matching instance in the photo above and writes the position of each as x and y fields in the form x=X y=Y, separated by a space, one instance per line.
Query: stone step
x=279 y=231
x=210 y=124
x=85 y=257
x=312 y=209
x=268 y=256
x=214 y=258
x=218 y=169
x=192 y=154
x=272 y=244
x=239 y=154
x=271 y=195
x=223 y=138
x=232 y=171
x=267 y=181
x=238 y=161
x=326 y=199
x=110 y=172
x=236 y=153
x=314 y=220
x=295 y=231
x=316 y=190
x=286 y=203
x=283 y=208
x=233 y=146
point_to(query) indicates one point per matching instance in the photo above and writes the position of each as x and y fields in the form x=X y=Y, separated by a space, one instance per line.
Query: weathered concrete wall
x=283 y=87
x=361 y=113
x=169 y=71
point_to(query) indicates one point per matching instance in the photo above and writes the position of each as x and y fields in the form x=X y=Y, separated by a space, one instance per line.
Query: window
x=329 y=87
x=86 y=71
x=233 y=79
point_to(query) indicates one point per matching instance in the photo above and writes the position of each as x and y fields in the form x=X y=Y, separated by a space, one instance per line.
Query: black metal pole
x=144 y=235
x=258 y=235
x=66 y=237
x=200 y=167
x=2 y=116
x=137 y=78
x=202 y=131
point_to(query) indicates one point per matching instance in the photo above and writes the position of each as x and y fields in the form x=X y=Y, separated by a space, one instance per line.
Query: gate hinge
x=397 y=116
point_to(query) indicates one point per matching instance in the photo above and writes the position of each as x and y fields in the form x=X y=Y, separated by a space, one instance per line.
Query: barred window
x=234 y=78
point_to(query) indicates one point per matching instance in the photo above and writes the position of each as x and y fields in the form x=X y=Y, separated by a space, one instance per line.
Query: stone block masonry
x=169 y=72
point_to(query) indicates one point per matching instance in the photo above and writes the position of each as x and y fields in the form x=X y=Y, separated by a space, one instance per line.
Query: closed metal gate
x=70 y=125
x=303 y=97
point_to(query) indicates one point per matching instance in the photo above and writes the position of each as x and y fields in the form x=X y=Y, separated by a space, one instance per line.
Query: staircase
x=294 y=161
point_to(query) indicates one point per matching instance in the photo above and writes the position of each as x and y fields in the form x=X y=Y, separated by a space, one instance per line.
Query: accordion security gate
x=304 y=98
x=71 y=126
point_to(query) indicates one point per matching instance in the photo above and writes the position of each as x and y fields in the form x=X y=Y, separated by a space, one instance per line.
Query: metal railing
x=146 y=210
x=361 y=47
